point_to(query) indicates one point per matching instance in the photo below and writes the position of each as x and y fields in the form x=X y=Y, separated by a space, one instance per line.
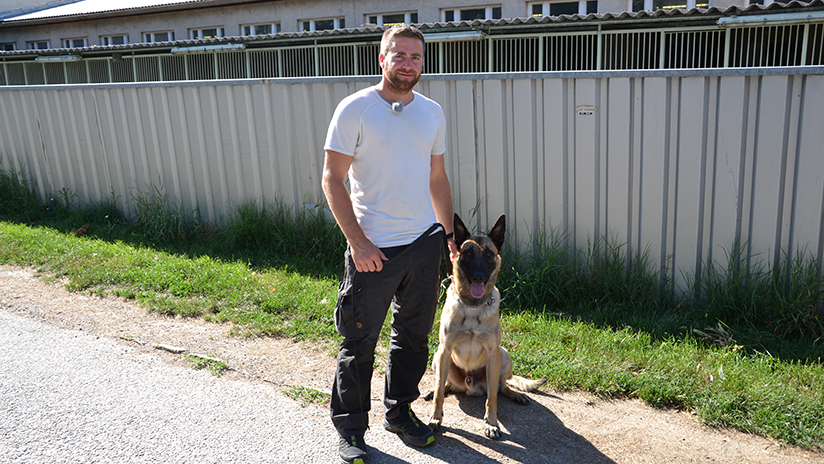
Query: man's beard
x=398 y=86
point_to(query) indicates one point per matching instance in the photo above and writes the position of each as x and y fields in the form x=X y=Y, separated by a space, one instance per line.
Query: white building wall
x=289 y=13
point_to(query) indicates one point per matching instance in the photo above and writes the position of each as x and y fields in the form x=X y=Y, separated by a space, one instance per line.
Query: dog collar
x=489 y=302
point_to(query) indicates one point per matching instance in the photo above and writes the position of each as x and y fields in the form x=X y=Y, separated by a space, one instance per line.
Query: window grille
x=694 y=49
x=264 y=64
x=76 y=73
x=630 y=50
x=231 y=65
x=336 y=61
x=577 y=52
x=54 y=73
x=516 y=55
x=147 y=68
x=368 y=59
x=815 y=47
x=173 y=68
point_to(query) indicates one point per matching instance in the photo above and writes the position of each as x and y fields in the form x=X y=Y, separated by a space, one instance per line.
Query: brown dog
x=470 y=351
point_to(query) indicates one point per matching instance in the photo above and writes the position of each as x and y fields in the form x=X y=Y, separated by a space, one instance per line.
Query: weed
x=306 y=395
x=162 y=221
x=16 y=195
x=215 y=366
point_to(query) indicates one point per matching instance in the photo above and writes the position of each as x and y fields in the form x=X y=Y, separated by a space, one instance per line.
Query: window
x=76 y=43
x=260 y=29
x=165 y=36
x=582 y=7
x=323 y=24
x=391 y=19
x=652 y=5
x=206 y=33
x=8 y=46
x=120 y=39
x=38 y=45
x=470 y=14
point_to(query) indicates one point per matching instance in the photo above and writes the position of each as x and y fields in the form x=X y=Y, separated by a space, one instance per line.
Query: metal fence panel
x=705 y=47
x=678 y=166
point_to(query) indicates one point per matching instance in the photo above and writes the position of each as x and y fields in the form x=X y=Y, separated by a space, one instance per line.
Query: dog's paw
x=493 y=432
x=434 y=424
x=428 y=395
x=520 y=398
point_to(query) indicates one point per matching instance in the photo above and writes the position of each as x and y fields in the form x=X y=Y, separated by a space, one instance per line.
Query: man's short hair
x=400 y=30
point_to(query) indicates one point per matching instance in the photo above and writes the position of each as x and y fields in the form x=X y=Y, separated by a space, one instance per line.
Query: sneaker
x=353 y=450
x=410 y=429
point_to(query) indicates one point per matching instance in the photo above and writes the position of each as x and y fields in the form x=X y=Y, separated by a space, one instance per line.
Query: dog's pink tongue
x=477 y=290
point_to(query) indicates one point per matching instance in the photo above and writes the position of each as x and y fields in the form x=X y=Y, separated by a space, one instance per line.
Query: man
x=389 y=140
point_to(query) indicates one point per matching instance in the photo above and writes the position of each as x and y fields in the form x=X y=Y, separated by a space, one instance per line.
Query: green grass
x=306 y=395
x=742 y=348
x=215 y=366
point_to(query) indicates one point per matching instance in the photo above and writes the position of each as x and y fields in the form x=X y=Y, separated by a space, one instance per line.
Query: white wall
x=289 y=13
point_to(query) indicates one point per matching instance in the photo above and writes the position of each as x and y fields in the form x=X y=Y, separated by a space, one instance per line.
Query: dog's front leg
x=493 y=375
x=441 y=364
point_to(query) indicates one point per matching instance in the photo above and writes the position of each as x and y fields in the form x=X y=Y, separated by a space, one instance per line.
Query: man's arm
x=366 y=255
x=441 y=195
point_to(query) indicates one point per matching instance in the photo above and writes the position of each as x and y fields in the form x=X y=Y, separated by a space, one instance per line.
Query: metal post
x=490 y=53
x=280 y=62
x=599 y=49
x=804 y=44
x=317 y=59
x=440 y=57
x=662 y=40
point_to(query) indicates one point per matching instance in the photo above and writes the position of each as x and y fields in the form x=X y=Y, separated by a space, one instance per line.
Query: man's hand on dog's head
x=453 y=249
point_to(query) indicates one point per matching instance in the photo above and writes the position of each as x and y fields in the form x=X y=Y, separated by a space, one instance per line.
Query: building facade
x=83 y=24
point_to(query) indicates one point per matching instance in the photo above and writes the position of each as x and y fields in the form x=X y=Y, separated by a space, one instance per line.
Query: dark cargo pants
x=409 y=283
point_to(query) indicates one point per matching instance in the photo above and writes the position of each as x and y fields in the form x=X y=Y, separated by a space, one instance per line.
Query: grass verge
x=588 y=320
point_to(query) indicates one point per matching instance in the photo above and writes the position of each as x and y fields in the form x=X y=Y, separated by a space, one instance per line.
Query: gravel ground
x=82 y=381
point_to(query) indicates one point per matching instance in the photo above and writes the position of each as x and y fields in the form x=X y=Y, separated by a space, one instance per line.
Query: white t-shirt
x=391 y=165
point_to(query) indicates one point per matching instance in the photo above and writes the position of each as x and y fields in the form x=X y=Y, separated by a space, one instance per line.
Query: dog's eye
x=488 y=254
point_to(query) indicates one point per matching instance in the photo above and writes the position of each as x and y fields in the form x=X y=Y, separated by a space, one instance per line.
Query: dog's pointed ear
x=461 y=232
x=498 y=232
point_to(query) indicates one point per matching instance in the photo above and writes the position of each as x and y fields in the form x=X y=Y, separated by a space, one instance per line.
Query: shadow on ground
x=530 y=434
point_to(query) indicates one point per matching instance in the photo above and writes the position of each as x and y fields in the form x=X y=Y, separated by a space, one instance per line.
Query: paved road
x=66 y=396
x=70 y=397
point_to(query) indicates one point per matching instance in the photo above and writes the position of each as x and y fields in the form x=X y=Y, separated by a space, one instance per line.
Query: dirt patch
x=556 y=427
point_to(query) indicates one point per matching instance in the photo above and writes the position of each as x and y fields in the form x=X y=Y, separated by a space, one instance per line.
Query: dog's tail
x=523 y=384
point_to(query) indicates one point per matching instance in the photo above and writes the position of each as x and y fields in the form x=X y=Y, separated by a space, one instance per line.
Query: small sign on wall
x=584 y=110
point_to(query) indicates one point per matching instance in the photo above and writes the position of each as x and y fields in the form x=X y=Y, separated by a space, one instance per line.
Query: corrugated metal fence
x=680 y=164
